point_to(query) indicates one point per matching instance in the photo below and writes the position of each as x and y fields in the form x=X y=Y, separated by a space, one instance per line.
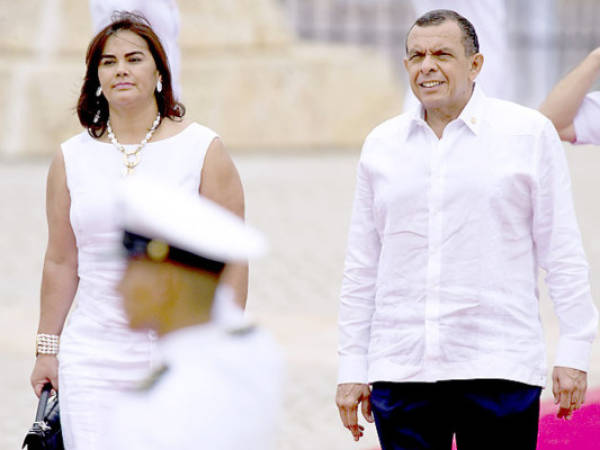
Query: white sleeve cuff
x=573 y=354
x=353 y=369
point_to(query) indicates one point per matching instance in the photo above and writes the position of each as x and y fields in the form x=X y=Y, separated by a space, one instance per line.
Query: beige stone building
x=244 y=74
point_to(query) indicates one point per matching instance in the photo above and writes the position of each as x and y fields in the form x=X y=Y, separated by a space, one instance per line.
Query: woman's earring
x=97 y=116
x=99 y=91
x=159 y=86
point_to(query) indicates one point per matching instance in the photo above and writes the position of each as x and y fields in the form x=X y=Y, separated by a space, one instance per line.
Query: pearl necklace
x=131 y=159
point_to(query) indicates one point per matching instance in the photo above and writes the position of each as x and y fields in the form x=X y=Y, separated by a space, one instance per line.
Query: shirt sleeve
x=587 y=120
x=358 y=286
x=560 y=253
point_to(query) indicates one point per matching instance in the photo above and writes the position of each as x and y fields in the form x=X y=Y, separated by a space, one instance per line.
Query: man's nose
x=428 y=64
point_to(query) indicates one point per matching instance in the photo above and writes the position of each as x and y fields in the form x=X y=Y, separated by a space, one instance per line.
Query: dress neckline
x=175 y=136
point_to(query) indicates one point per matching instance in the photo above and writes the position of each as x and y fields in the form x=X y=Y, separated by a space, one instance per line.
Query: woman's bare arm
x=59 y=277
x=221 y=183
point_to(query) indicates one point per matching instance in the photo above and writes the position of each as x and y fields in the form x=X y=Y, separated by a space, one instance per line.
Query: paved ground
x=303 y=203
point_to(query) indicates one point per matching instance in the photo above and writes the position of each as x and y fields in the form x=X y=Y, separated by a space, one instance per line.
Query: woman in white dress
x=133 y=126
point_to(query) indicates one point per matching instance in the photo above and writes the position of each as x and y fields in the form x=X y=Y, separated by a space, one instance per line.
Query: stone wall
x=244 y=74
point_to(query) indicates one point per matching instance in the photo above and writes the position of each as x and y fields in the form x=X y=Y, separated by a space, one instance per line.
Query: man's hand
x=568 y=386
x=347 y=398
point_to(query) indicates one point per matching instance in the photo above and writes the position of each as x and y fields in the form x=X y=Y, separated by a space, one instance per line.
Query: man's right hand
x=44 y=371
x=347 y=398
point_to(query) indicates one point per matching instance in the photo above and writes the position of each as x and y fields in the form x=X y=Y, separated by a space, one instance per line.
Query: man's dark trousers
x=483 y=414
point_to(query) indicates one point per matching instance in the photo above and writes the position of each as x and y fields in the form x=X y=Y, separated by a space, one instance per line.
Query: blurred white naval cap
x=165 y=222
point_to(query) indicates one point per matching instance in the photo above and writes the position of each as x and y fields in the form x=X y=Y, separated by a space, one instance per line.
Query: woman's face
x=127 y=71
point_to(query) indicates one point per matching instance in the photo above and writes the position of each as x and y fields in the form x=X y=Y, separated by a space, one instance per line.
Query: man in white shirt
x=458 y=204
x=212 y=387
x=575 y=112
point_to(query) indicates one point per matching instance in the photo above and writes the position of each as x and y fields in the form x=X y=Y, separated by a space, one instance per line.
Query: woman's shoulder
x=189 y=128
x=76 y=143
x=77 y=139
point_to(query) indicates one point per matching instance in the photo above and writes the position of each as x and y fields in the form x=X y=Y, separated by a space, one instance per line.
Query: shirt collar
x=416 y=118
x=471 y=115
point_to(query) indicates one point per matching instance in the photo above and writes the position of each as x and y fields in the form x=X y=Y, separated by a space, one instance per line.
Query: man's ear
x=476 y=65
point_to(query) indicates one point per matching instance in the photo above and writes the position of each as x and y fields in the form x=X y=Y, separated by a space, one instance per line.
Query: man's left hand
x=568 y=386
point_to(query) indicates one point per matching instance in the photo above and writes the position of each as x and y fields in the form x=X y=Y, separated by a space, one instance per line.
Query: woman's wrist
x=46 y=344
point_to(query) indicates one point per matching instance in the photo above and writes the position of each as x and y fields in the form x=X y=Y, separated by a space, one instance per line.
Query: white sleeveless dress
x=99 y=355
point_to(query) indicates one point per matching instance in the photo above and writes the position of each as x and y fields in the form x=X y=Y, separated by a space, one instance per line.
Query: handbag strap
x=41 y=409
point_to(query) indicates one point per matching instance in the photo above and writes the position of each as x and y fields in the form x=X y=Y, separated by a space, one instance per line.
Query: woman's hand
x=44 y=371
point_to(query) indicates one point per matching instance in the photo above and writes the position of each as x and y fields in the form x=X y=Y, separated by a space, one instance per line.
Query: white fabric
x=98 y=353
x=445 y=243
x=221 y=391
x=489 y=17
x=163 y=16
x=187 y=221
x=587 y=120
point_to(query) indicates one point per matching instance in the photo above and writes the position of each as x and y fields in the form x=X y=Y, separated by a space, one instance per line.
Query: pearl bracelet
x=46 y=344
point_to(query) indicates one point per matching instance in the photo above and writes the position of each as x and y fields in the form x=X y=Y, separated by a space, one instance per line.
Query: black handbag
x=45 y=433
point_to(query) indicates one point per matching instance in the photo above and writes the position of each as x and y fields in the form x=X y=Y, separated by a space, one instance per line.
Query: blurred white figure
x=490 y=20
x=213 y=386
x=163 y=16
x=215 y=389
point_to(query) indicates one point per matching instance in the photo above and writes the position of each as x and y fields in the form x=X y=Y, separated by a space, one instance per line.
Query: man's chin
x=429 y=99
x=429 y=105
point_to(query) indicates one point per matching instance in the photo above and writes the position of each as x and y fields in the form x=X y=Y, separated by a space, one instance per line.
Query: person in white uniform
x=164 y=19
x=574 y=111
x=459 y=204
x=489 y=17
x=213 y=387
x=133 y=126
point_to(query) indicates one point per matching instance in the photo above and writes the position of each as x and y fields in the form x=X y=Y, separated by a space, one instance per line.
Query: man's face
x=441 y=75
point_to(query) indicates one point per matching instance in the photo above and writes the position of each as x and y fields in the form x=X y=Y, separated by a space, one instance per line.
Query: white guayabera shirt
x=445 y=243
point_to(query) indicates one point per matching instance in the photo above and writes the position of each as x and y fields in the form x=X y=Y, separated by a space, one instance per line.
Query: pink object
x=582 y=432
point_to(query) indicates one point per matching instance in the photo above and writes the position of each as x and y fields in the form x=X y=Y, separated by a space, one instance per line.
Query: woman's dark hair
x=89 y=105
x=438 y=16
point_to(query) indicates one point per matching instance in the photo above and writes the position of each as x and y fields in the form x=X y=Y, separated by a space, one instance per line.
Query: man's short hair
x=439 y=16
